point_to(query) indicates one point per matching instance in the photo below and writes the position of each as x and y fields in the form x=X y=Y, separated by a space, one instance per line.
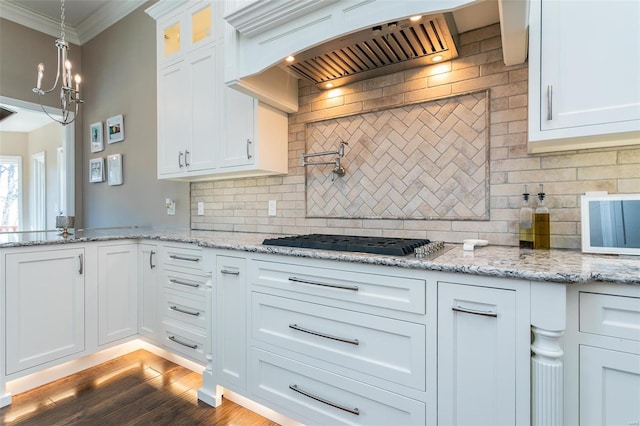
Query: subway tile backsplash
x=242 y=204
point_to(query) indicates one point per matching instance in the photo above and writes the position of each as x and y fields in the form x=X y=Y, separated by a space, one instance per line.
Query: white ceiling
x=84 y=19
x=24 y=120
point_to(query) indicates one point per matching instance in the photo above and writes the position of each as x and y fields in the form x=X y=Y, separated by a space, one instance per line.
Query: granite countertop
x=562 y=266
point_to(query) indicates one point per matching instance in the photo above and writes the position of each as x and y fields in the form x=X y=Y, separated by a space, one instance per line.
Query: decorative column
x=548 y=322
x=547 y=403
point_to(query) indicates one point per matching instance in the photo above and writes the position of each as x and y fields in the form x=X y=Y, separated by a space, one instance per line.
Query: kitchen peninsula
x=241 y=311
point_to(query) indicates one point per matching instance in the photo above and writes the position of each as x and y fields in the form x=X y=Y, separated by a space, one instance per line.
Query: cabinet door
x=117 y=293
x=148 y=257
x=609 y=387
x=231 y=321
x=586 y=86
x=174 y=129
x=476 y=355
x=238 y=146
x=44 y=307
x=203 y=109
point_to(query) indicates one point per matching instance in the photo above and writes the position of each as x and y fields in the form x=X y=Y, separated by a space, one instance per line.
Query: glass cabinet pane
x=172 y=39
x=201 y=24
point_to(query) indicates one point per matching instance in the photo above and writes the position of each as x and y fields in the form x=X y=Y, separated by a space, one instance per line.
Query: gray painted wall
x=119 y=75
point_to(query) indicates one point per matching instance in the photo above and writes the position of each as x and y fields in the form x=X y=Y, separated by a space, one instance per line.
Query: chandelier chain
x=62 y=33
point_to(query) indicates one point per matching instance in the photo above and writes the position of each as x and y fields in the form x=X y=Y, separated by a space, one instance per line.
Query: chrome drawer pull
x=228 y=272
x=474 y=312
x=326 y=336
x=342 y=287
x=81 y=269
x=189 y=259
x=151 y=265
x=175 y=281
x=175 y=308
x=173 y=339
x=295 y=388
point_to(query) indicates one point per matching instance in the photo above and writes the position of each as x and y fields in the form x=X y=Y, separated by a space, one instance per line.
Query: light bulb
x=40 y=75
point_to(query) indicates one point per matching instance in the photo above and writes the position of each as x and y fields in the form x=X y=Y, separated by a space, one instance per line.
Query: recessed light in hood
x=382 y=49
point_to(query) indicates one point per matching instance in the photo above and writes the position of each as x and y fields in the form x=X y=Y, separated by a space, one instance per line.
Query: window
x=10 y=193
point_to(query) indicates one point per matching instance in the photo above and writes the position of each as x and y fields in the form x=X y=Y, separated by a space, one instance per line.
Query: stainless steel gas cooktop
x=374 y=245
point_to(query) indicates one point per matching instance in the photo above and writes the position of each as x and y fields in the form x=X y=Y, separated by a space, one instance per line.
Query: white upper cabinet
x=584 y=63
x=207 y=131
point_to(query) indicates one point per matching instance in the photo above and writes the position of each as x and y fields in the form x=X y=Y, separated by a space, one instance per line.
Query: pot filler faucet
x=337 y=169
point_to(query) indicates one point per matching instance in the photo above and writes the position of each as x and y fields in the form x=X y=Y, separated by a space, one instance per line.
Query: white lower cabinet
x=331 y=343
x=386 y=348
x=603 y=355
x=476 y=355
x=45 y=306
x=185 y=309
x=148 y=258
x=231 y=321
x=117 y=292
x=609 y=387
x=320 y=397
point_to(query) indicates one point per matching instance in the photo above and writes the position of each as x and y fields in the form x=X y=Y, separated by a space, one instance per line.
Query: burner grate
x=374 y=245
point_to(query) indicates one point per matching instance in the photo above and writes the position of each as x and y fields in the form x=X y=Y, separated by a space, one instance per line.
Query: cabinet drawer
x=386 y=348
x=185 y=308
x=184 y=341
x=185 y=257
x=189 y=283
x=384 y=291
x=607 y=315
x=318 y=397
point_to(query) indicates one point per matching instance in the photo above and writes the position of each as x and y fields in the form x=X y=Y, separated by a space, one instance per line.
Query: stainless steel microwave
x=611 y=223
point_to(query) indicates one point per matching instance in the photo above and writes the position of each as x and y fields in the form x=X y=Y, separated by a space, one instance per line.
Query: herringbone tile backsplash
x=422 y=161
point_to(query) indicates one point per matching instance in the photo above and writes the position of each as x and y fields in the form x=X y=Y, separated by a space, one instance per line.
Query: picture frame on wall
x=96 y=170
x=115 y=129
x=96 y=137
x=114 y=163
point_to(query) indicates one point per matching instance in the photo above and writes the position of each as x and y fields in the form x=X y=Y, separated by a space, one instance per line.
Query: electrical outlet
x=272 y=207
x=200 y=208
x=170 y=206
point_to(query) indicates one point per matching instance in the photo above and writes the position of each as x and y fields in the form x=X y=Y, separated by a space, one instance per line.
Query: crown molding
x=263 y=15
x=37 y=22
x=99 y=21
x=161 y=8
x=106 y=16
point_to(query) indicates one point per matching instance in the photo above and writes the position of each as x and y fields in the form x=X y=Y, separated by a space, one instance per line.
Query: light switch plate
x=272 y=207
x=200 y=208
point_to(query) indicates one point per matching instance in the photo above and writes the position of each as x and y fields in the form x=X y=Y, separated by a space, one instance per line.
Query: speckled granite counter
x=562 y=266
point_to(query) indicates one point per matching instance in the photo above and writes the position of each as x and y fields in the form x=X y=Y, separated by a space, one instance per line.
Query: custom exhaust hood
x=343 y=41
x=382 y=49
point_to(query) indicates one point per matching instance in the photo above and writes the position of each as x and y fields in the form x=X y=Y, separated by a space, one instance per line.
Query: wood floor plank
x=139 y=388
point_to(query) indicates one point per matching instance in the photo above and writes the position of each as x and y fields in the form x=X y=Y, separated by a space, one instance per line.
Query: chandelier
x=69 y=96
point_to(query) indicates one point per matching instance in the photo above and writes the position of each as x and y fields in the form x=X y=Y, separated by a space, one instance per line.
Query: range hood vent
x=383 y=49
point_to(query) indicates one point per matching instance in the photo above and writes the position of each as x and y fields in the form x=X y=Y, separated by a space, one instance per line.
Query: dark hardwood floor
x=136 y=389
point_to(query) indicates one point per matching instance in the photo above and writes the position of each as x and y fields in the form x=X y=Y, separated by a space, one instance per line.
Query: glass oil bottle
x=525 y=224
x=541 y=235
